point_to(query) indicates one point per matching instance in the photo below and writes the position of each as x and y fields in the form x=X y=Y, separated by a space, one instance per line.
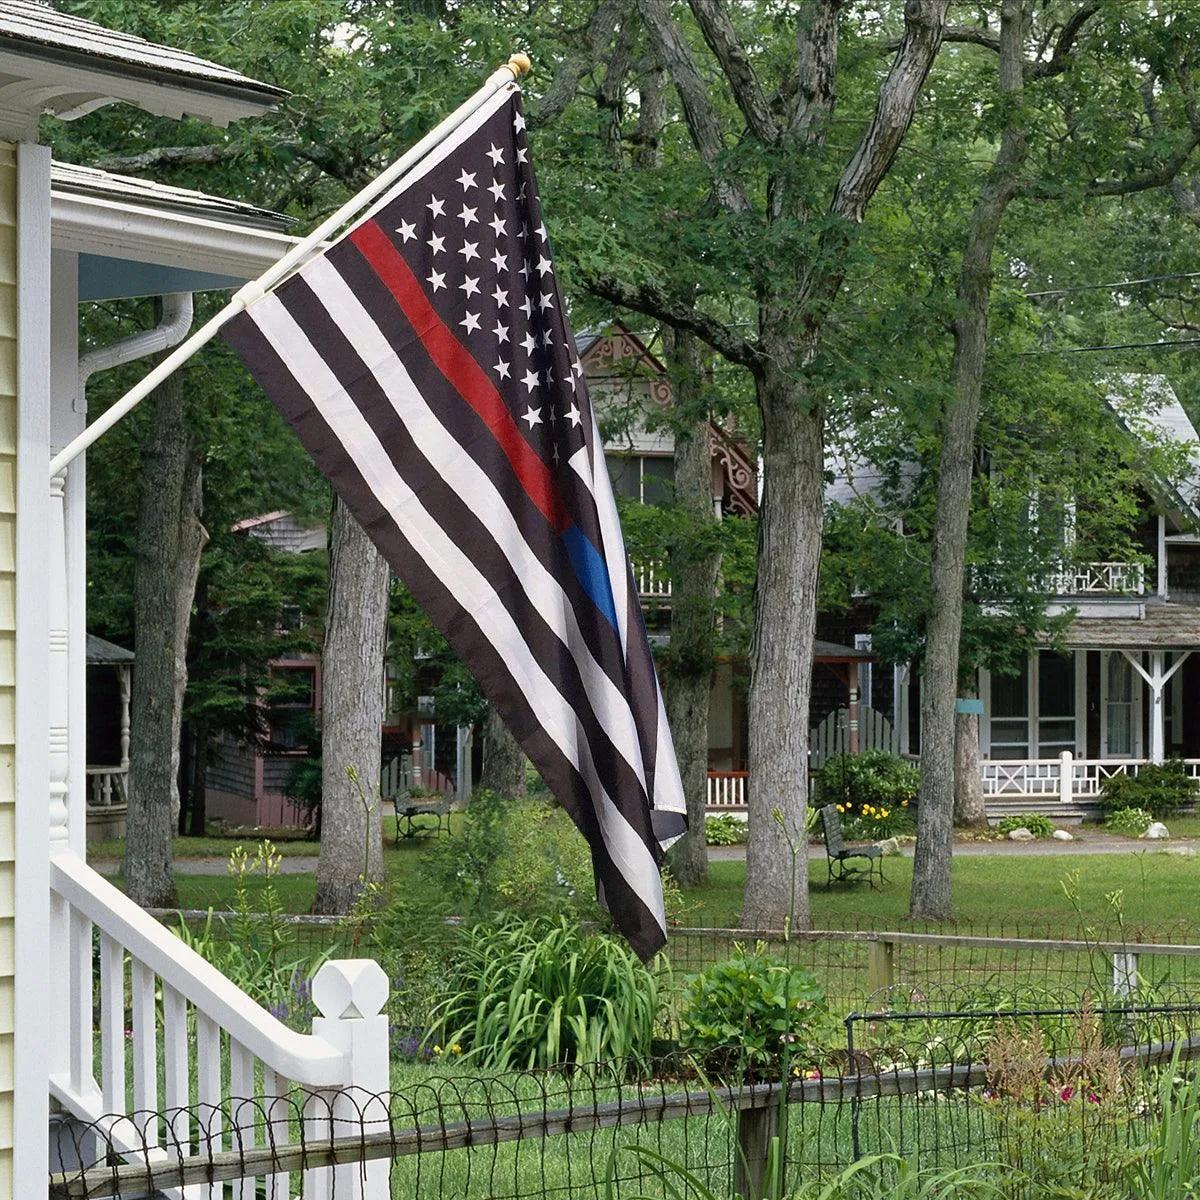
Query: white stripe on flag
x=313 y=376
x=451 y=461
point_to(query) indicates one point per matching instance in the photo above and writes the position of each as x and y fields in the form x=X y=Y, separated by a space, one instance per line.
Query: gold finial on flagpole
x=519 y=65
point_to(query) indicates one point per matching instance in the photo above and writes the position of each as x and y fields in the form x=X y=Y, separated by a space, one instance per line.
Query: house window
x=291 y=707
x=1119 y=711
x=1010 y=714
x=1056 y=704
x=645 y=478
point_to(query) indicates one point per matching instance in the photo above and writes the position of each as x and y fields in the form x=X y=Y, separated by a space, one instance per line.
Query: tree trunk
x=931 y=893
x=969 y=809
x=696 y=565
x=167 y=549
x=785 y=609
x=503 y=759
x=352 y=717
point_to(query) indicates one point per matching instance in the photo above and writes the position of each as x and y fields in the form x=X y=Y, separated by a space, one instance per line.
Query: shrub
x=1159 y=788
x=1132 y=822
x=738 y=1015
x=1037 y=824
x=725 y=829
x=521 y=857
x=872 y=790
x=532 y=994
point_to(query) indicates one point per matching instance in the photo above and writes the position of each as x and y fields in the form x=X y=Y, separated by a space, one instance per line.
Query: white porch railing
x=231 y=1074
x=1067 y=778
x=1097 y=579
x=107 y=786
x=726 y=790
x=653 y=582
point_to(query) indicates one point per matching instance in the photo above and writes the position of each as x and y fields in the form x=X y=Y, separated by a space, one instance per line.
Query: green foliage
x=1132 y=822
x=529 y=994
x=1170 y=1168
x=872 y=790
x=257 y=951
x=1159 y=788
x=1039 y=825
x=520 y=857
x=741 y=1013
x=725 y=829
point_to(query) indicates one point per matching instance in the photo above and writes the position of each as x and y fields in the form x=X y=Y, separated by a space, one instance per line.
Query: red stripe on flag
x=462 y=372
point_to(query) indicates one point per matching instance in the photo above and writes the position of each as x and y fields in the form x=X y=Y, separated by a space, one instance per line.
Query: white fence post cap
x=350 y=987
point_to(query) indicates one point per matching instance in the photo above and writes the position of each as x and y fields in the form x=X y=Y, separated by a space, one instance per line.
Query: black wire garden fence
x=1059 y=1100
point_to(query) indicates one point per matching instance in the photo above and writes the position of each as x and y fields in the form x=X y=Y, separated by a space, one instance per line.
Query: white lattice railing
x=653 y=582
x=726 y=790
x=1097 y=579
x=231 y=1075
x=1066 y=778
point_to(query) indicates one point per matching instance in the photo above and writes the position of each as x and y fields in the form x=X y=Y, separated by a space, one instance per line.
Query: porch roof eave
x=1163 y=626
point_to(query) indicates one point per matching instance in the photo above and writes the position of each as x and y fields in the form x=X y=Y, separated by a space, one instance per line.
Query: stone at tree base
x=1181 y=851
x=1156 y=831
x=1061 y=835
x=1021 y=835
x=889 y=846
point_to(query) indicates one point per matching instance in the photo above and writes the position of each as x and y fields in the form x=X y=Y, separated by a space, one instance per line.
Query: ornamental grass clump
x=536 y=994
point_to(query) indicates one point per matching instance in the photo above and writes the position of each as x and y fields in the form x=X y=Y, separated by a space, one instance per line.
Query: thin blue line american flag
x=426 y=364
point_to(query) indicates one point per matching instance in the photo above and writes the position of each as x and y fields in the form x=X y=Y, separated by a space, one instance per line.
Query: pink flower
x=1093 y=1098
x=813 y=1074
x=1066 y=1094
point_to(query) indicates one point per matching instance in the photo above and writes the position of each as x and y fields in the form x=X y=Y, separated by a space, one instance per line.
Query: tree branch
x=724 y=42
x=698 y=109
x=969 y=34
x=568 y=73
x=816 y=69
x=924 y=22
x=1160 y=176
x=1060 y=56
x=172 y=156
x=654 y=301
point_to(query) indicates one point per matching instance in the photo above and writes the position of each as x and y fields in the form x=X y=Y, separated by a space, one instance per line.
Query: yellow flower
x=437 y=1049
x=841 y=809
x=456 y=1049
x=903 y=803
x=886 y=811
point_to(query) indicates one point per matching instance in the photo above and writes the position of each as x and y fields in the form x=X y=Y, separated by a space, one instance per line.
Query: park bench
x=410 y=808
x=838 y=855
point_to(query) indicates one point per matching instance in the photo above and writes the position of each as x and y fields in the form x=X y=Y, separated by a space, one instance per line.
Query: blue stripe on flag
x=591 y=571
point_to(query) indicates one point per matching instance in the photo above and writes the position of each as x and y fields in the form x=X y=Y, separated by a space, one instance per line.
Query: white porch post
x=1157 y=724
x=1157 y=679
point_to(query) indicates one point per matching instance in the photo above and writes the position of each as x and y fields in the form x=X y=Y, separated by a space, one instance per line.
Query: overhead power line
x=1111 y=346
x=1115 y=286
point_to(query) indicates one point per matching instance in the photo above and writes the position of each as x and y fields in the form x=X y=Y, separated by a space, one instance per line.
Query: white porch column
x=1157 y=723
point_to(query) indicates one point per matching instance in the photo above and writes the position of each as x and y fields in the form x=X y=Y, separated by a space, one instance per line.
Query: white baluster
x=208 y=1089
x=145 y=1050
x=175 y=1064
x=244 y=1108
x=112 y=1023
x=80 y=986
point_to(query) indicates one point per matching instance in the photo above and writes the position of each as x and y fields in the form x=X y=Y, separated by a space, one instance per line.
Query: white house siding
x=8 y=523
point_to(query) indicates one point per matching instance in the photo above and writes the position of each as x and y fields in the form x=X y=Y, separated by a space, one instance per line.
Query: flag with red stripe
x=426 y=364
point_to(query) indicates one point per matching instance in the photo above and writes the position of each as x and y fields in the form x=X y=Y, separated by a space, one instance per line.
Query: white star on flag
x=437 y=280
x=500 y=296
x=471 y=322
x=532 y=415
x=437 y=244
x=496 y=155
x=467 y=180
x=501 y=369
x=530 y=380
x=497 y=190
x=467 y=216
x=470 y=286
x=499 y=261
x=436 y=207
x=497 y=224
x=574 y=415
x=501 y=331
x=469 y=250
x=407 y=230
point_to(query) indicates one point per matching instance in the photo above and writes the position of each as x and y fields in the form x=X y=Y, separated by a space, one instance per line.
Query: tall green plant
x=537 y=993
x=1170 y=1168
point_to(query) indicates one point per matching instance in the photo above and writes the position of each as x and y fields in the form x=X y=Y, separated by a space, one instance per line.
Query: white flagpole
x=512 y=70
